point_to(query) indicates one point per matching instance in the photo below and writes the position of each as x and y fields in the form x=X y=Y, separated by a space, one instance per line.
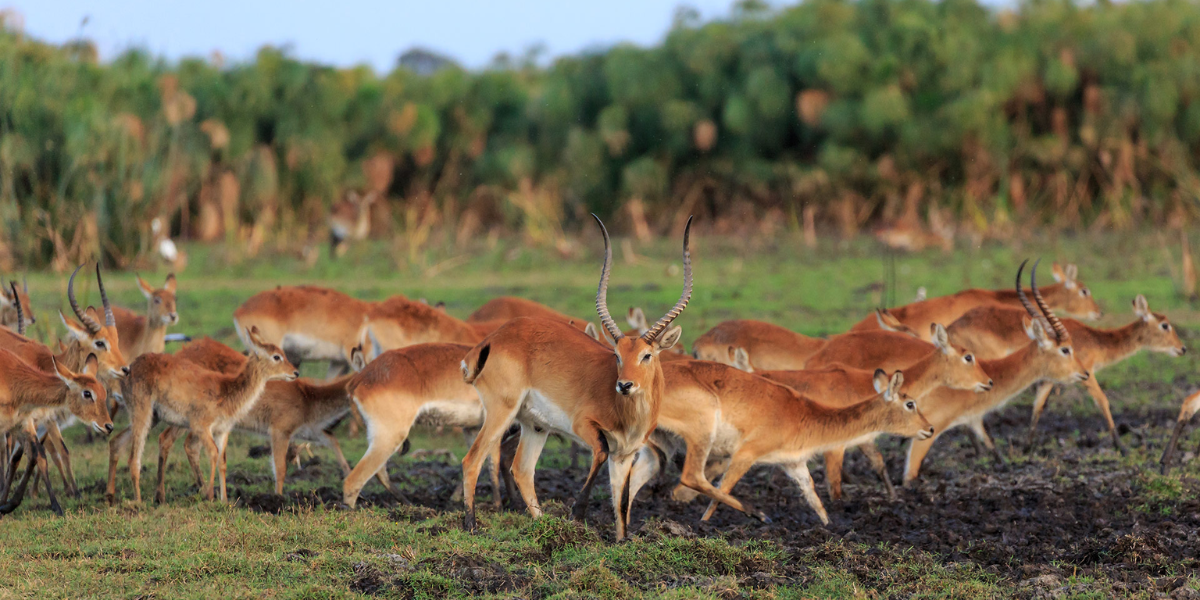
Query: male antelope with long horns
x=551 y=377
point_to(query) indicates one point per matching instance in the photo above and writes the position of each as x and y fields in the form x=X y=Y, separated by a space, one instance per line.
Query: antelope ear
x=75 y=329
x=1057 y=272
x=170 y=284
x=1141 y=308
x=62 y=371
x=91 y=366
x=669 y=338
x=6 y=298
x=741 y=360
x=894 y=386
x=147 y=289
x=590 y=329
x=637 y=319
x=880 y=380
x=358 y=359
x=1072 y=272
x=1040 y=335
x=939 y=337
x=376 y=347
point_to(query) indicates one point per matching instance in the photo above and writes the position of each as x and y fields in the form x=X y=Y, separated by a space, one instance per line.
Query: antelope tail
x=474 y=361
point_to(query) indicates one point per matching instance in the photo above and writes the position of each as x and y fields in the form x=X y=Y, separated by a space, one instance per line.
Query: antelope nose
x=1183 y=349
x=108 y=428
x=125 y=369
x=295 y=373
x=624 y=387
x=991 y=384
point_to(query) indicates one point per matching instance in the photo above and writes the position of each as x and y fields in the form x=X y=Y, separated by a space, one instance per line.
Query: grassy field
x=304 y=547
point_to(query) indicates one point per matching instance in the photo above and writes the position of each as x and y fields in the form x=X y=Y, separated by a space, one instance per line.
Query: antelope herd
x=750 y=393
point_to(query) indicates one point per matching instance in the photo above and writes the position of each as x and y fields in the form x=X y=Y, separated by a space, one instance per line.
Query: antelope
x=310 y=323
x=89 y=337
x=303 y=409
x=506 y=308
x=140 y=335
x=949 y=366
x=1069 y=296
x=549 y=376
x=208 y=403
x=1049 y=356
x=772 y=347
x=719 y=410
x=1191 y=405
x=995 y=331
x=350 y=220
x=422 y=383
x=10 y=297
x=889 y=350
x=27 y=393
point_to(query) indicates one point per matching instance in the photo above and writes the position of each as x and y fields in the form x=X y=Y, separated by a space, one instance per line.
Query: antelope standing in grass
x=140 y=335
x=993 y=332
x=949 y=366
x=28 y=393
x=207 y=402
x=1069 y=297
x=301 y=409
x=550 y=377
x=10 y=297
x=718 y=410
x=350 y=220
x=1048 y=357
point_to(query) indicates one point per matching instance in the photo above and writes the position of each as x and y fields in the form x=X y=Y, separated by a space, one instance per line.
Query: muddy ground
x=1072 y=507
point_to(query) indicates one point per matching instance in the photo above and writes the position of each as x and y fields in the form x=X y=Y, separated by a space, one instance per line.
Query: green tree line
x=845 y=112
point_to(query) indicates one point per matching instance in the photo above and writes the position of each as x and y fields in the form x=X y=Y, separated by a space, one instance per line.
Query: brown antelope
x=140 y=335
x=303 y=409
x=206 y=402
x=10 y=297
x=993 y=332
x=350 y=220
x=718 y=410
x=891 y=350
x=1048 y=357
x=505 y=308
x=771 y=347
x=422 y=383
x=1191 y=405
x=310 y=323
x=1069 y=296
x=549 y=376
x=28 y=393
x=838 y=386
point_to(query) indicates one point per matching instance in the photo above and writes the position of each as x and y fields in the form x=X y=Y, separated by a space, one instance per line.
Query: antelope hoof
x=579 y=512
x=7 y=508
x=54 y=506
x=111 y=499
x=469 y=523
x=160 y=498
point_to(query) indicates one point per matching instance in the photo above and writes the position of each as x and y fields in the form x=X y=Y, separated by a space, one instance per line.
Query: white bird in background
x=165 y=246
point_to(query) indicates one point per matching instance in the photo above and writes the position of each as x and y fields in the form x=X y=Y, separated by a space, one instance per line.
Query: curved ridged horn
x=602 y=292
x=109 y=319
x=1021 y=293
x=17 y=303
x=90 y=323
x=1060 y=331
x=665 y=321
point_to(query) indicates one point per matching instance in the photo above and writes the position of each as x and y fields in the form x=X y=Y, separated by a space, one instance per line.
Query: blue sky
x=355 y=31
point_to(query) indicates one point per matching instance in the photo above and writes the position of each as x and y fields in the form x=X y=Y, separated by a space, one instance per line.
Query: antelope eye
x=646 y=358
x=1066 y=351
x=87 y=394
x=158 y=300
x=277 y=358
x=101 y=345
x=910 y=405
x=1166 y=326
x=1085 y=292
x=969 y=358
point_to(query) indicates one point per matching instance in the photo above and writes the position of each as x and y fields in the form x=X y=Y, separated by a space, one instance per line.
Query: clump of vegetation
x=836 y=111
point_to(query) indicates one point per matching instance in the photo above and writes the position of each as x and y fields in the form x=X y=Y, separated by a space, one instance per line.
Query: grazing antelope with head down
x=207 y=402
x=993 y=332
x=1049 y=356
x=140 y=335
x=1069 y=296
x=771 y=347
x=549 y=376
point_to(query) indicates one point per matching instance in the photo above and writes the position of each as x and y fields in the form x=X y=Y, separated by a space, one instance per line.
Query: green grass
x=195 y=549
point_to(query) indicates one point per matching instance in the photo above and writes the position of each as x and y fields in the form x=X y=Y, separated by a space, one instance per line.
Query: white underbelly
x=451 y=413
x=539 y=411
x=309 y=348
x=167 y=415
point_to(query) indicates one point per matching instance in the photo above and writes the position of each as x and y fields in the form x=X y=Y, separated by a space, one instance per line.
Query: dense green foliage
x=877 y=109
